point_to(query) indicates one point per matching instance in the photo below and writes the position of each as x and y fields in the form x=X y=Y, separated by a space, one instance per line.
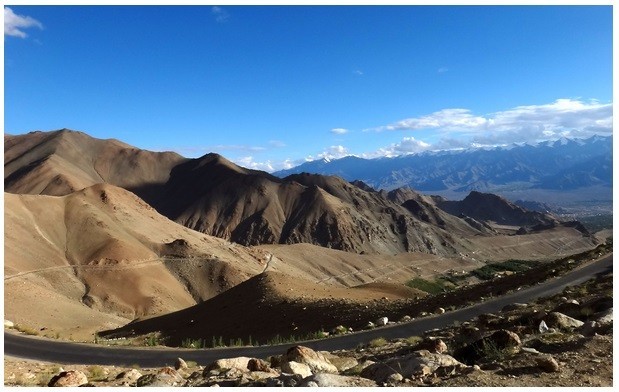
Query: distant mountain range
x=562 y=165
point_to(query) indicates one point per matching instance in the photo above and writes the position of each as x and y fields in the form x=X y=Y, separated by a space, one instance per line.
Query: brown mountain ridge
x=214 y=196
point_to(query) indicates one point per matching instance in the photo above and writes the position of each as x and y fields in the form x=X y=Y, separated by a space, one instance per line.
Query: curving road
x=65 y=352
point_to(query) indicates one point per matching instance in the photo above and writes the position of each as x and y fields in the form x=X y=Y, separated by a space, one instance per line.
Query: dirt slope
x=102 y=250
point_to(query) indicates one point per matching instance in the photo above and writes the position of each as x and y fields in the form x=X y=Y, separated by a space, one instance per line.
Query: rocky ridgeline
x=565 y=340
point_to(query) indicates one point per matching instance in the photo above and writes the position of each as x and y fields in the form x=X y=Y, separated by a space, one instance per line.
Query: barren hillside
x=60 y=162
x=104 y=251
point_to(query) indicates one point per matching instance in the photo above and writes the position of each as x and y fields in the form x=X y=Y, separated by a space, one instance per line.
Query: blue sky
x=270 y=87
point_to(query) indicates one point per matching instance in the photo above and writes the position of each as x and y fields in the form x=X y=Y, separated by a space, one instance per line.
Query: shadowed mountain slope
x=214 y=196
x=489 y=207
x=276 y=304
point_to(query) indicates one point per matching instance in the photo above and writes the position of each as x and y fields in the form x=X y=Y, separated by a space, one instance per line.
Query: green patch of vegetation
x=556 y=337
x=413 y=340
x=193 y=343
x=378 y=342
x=489 y=271
x=97 y=373
x=492 y=353
x=431 y=287
x=596 y=223
x=153 y=340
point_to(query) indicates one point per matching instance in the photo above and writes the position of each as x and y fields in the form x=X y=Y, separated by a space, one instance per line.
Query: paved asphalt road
x=64 y=352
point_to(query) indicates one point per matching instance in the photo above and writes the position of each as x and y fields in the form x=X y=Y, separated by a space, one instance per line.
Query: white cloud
x=442 y=70
x=443 y=119
x=14 y=24
x=358 y=72
x=562 y=118
x=333 y=152
x=268 y=165
x=221 y=15
x=339 y=131
x=408 y=145
x=249 y=163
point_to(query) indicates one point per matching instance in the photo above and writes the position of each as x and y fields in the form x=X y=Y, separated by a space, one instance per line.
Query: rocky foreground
x=564 y=340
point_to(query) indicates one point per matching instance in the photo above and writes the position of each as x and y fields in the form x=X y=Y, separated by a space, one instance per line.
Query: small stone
x=529 y=350
x=547 y=364
x=394 y=378
x=382 y=321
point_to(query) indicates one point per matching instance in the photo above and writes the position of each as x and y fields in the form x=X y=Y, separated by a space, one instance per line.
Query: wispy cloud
x=562 y=118
x=14 y=24
x=443 y=119
x=339 y=131
x=277 y=144
x=442 y=70
x=221 y=15
x=358 y=72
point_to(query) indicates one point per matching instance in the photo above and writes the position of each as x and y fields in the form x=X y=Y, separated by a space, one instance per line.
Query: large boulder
x=292 y=367
x=128 y=377
x=434 y=345
x=569 y=308
x=69 y=378
x=343 y=363
x=317 y=362
x=562 y=321
x=416 y=364
x=605 y=317
x=240 y=363
x=335 y=380
x=165 y=377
